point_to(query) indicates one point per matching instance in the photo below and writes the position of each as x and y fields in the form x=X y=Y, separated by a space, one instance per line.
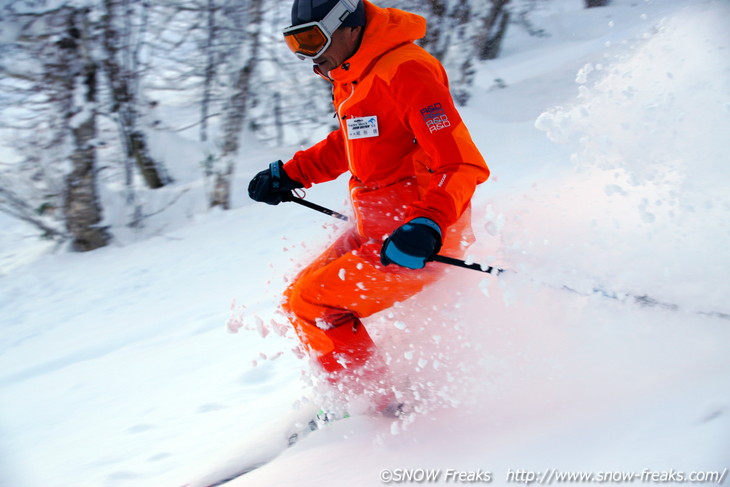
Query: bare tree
x=210 y=68
x=489 y=41
x=121 y=65
x=438 y=35
x=461 y=33
x=57 y=104
x=81 y=201
x=36 y=94
x=236 y=108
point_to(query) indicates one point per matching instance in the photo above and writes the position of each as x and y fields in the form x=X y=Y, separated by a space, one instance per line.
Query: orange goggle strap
x=311 y=39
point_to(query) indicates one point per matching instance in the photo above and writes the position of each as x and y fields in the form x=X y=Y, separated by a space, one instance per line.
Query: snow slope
x=608 y=148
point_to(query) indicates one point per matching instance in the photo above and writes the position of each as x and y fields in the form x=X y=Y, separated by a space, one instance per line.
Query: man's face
x=345 y=42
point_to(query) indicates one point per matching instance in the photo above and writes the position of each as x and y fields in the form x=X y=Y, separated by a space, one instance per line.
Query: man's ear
x=356 y=35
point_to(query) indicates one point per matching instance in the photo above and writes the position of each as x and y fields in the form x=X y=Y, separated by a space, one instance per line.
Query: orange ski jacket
x=400 y=135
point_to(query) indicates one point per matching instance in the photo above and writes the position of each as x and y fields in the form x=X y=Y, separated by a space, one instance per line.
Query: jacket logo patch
x=435 y=117
x=362 y=127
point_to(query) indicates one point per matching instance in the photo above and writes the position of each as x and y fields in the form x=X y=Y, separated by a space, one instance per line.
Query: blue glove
x=413 y=244
x=272 y=185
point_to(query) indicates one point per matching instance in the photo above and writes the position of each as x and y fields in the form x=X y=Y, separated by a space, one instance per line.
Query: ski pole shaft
x=314 y=206
x=460 y=263
x=438 y=258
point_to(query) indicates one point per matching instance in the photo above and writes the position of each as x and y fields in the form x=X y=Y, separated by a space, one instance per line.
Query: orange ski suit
x=409 y=155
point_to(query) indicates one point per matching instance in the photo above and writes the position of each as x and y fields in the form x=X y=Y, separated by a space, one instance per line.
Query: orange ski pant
x=347 y=282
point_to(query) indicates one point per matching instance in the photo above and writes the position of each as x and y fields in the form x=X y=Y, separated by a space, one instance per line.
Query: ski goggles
x=310 y=40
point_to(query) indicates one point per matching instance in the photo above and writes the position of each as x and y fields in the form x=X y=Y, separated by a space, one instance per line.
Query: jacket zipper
x=343 y=126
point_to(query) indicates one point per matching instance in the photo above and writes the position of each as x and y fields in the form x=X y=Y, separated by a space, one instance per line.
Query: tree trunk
x=437 y=39
x=235 y=114
x=81 y=201
x=232 y=126
x=210 y=70
x=121 y=80
x=489 y=42
x=596 y=3
x=139 y=152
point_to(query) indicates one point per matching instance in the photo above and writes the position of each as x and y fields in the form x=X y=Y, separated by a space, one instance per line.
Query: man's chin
x=323 y=62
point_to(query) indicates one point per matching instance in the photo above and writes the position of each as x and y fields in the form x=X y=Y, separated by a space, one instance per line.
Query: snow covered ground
x=609 y=151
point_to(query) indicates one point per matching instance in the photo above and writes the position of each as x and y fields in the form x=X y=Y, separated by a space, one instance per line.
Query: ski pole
x=314 y=206
x=475 y=267
x=437 y=258
x=639 y=299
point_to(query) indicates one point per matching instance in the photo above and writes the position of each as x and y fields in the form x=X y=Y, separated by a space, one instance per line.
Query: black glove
x=413 y=244
x=272 y=185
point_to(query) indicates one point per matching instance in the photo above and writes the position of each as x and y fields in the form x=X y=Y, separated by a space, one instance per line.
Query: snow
x=162 y=361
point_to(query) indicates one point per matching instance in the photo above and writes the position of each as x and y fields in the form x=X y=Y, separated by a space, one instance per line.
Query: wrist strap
x=275 y=169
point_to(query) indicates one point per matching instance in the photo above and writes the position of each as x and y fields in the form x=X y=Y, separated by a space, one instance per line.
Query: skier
x=414 y=169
